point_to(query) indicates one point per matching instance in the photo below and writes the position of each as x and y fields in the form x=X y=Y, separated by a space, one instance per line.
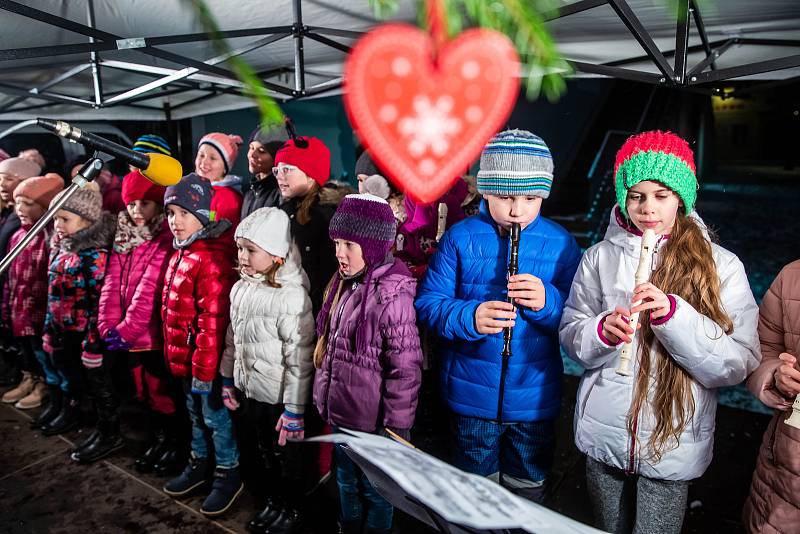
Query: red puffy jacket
x=195 y=308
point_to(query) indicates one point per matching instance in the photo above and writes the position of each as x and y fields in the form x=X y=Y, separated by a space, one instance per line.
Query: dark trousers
x=29 y=345
x=66 y=360
x=101 y=389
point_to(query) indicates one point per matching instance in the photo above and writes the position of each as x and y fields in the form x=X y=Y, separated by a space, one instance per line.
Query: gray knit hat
x=365 y=165
x=514 y=163
x=86 y=202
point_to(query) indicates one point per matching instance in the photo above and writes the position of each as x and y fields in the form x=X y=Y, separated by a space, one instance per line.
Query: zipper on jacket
x=169 y=288
x=335 y=336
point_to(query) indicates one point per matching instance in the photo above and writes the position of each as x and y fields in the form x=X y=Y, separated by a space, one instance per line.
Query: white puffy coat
x=270 y=340
x=605 y=279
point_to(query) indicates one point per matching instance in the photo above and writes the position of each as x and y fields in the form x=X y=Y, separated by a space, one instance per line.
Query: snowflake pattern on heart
x=424 y=120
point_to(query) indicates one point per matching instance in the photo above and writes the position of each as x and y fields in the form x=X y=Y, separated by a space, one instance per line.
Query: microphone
x=158 y=168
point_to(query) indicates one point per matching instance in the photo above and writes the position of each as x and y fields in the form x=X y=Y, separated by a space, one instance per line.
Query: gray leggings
x=633 y=503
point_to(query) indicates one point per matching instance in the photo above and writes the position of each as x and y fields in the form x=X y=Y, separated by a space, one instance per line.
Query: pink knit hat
x=227 y=146
x=40 y=189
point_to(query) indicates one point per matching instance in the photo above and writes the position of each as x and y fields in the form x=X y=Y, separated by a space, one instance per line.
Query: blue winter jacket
x=470 y=267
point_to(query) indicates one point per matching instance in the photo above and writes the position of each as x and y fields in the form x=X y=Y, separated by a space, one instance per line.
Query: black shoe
x=146 y=462
x=227 y=486
x=51 y=410
x=66 y=420
x=288 y=522
x=94 y=436
x=265 y=517
x=107 y=441
x=194 y=476
x=172 y=456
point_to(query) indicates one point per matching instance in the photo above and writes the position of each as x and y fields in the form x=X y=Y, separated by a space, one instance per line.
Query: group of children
x=315 y=321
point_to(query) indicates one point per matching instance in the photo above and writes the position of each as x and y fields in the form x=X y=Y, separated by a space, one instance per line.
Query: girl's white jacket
x=605 y=279
x=270 y=340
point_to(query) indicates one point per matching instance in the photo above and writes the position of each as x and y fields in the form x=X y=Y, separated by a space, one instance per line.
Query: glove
x=291 y=426
x=91 y=360
x=47 y=344
x=115 y=342
x=229 y=395
x=200 y=387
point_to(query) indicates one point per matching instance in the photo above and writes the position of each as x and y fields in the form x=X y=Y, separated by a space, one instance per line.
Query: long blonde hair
x=322 y=341
x=686 y=269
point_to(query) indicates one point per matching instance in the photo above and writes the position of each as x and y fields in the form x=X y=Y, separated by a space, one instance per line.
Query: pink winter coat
x=774 y=502
x=25 y=297
x=131 y=297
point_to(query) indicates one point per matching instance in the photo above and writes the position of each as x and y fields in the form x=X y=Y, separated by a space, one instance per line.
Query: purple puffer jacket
x=377 y=387
x=131 y=297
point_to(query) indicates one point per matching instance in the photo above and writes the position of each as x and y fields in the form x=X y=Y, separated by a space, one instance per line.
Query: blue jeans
x=353 y=486
x=211 y=425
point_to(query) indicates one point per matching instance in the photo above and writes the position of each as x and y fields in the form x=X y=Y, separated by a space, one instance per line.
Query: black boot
x=94 y=436
x=288 y=522
x=172 y=456
x=108 y=441
x=227 y=486
x=67 y=419
x=146 y=462
x=195 y=475
x=51 y=410
x=265 y=517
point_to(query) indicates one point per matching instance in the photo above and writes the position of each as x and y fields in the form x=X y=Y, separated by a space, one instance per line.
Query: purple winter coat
x=377 y=387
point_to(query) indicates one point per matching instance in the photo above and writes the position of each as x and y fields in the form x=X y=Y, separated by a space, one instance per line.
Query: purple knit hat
x=368 y=221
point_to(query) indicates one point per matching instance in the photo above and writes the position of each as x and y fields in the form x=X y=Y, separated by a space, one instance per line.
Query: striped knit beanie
x=151 y=143
x=367 y=220
x=226 y=145
x=660 y=157
x=516 y=163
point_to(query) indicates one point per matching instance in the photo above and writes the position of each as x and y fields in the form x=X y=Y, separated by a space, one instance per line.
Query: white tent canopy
x=47 y=66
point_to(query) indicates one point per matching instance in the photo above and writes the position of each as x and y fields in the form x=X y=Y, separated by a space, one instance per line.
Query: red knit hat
x=226 y=145
x=136 y=187
x=310 y=155
x=40 y=189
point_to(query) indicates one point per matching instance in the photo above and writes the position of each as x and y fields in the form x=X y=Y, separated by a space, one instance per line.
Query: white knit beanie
x=269 y=229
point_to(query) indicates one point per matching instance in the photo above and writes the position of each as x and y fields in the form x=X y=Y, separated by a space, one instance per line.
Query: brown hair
x=686 y=269
x=319 y=349
x=308 y=202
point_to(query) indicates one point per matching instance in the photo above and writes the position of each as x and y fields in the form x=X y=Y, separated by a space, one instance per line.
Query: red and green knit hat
x=660 y=157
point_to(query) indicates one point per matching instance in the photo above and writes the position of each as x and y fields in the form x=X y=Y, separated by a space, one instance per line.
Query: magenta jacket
x=131 y=297
x=377 y=386
x=25 y=291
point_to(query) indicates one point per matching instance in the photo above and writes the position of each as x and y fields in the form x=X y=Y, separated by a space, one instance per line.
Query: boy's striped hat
x=151 y=143
x=516 y=163
x=660 y=157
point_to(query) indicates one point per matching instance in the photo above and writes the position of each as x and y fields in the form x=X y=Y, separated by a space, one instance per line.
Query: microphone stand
x=88 y=172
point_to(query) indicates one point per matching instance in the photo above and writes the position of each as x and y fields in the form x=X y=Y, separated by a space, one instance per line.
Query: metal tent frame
x=211 y=79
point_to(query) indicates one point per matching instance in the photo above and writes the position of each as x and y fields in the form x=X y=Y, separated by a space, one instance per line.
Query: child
x=194 y=311
x=79 y=252
x=503 y=408
x=302 y=167
x=25 y=299
x=774 y=502
x=129 y=306
x=368 y=353
x=646 y=436
x=263 y=192
x=269 y=356
x=216 y=155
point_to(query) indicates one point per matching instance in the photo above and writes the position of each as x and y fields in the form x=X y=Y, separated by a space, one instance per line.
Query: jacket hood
x=332 y=195
x=99 y=235
x=231 y=180
x=625 y=235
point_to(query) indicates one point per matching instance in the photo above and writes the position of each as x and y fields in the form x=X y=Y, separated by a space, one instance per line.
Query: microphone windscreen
x=163 y=170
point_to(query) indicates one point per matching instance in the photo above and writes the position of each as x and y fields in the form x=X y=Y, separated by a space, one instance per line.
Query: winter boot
x=194 y=476
x=94 y=436
x=288 y=522
x=146 y=462
x=108 y=440
x=172 y=455
x=227 y=486
x=23 y=389
x=265 y=517
x=67 y=419
x=34 y=398
x=51 y=410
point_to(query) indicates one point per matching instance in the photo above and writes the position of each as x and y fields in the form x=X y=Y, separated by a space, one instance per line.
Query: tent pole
x=682 y=41
x=299 y=61
x=98 y=85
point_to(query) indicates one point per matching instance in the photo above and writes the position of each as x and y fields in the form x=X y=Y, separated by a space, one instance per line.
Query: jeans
x=355 y=486
x=211 y=425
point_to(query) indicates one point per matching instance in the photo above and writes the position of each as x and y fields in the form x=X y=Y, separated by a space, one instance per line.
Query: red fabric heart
x=424 y=120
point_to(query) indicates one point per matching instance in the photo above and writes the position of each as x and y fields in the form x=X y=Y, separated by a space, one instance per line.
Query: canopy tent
x=151 y=60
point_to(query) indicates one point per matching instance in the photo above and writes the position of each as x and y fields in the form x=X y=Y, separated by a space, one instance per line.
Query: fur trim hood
x=99 y=235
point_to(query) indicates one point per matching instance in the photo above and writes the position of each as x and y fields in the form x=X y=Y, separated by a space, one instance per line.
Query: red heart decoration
x=424 y=120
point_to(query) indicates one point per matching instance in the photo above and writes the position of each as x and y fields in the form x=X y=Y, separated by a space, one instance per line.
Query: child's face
x=259 y=160
x=142 y=211
x=350 y=258
x=252 y=258
x=292 y=181
x=652 y=205
x=209 y=164
x=67 y=223
x=27 y=210
x=182 y=223
x=506 y=210
x=8 y=182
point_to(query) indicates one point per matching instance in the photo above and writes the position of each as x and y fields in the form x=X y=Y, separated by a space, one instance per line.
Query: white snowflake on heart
x=429 y=130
